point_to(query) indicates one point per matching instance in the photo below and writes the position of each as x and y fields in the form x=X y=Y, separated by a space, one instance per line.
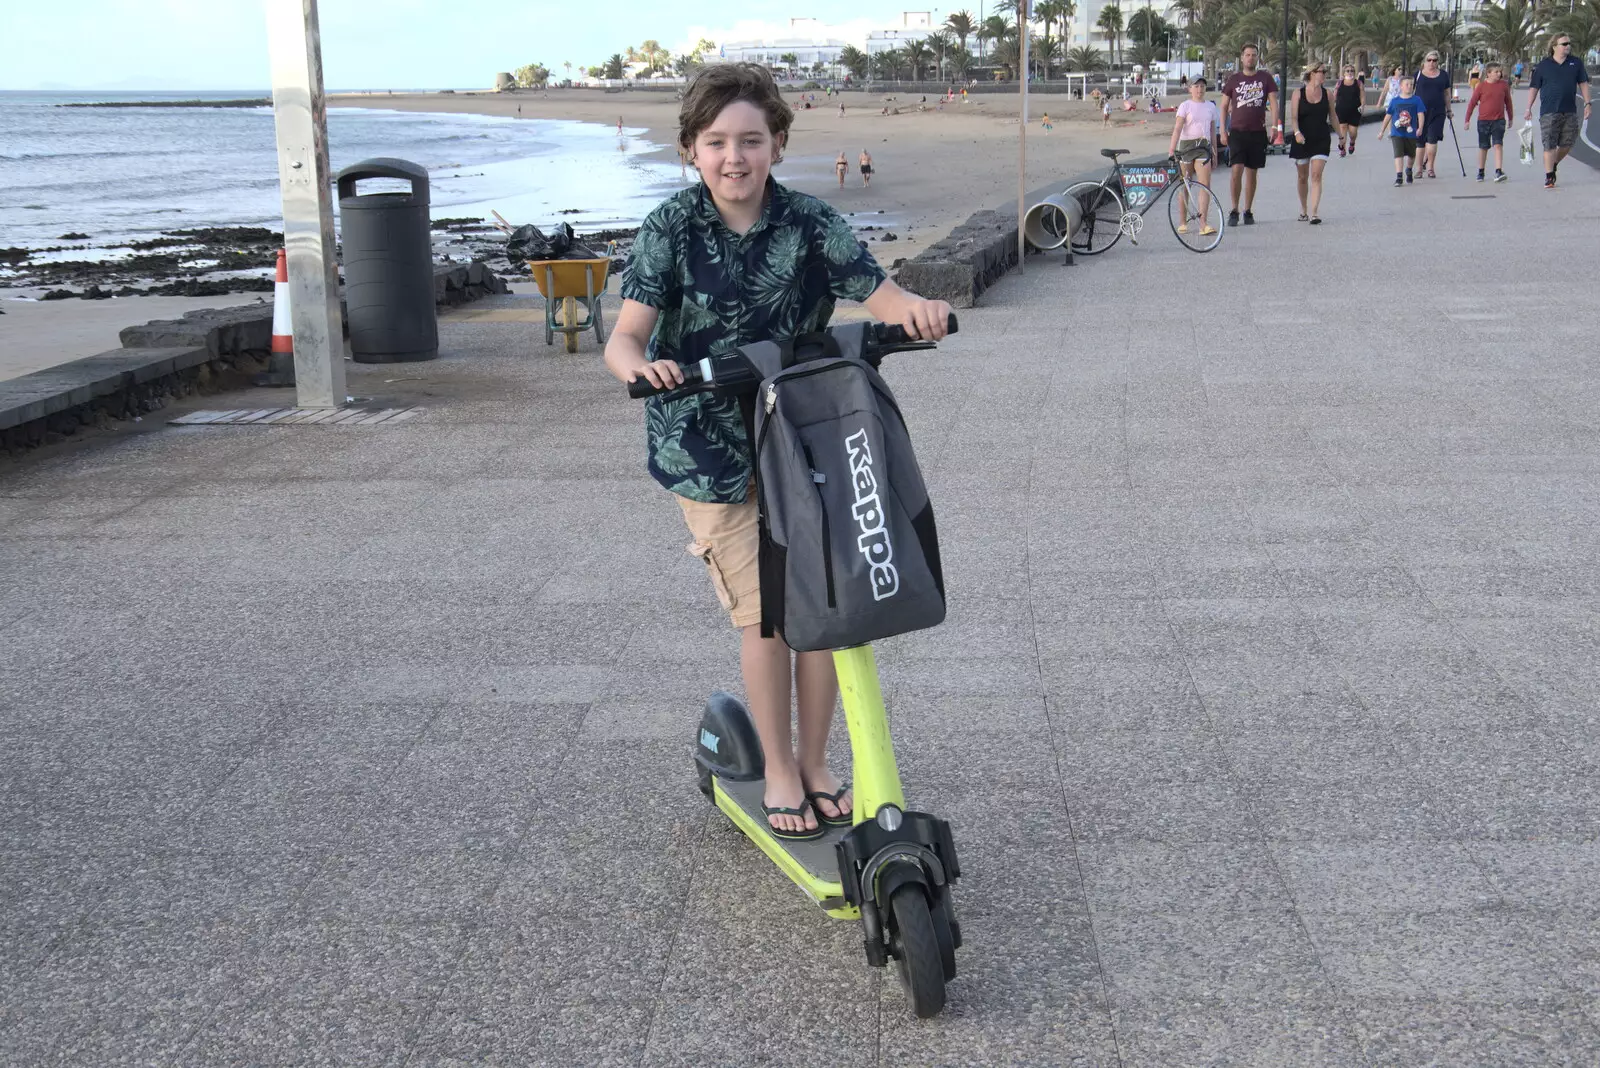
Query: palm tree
x=995 y=28
x=1209 y=31
x=616 y=66
x=1375 y=27
x=1507 y=29
x=942 y=44
x=889 y=62
x=960 y=62
x=1086 y=59
x=1006 y=53
x=1144 y=25
x=853 y=60
x=1443 y=36
x=1582 y=24
x=917 y=56
x=1054 y=12
x=1045 y=52
x=789 y=59
x=1110 y=21
x=962 y=26
x=1143 y=54
x=652 y=55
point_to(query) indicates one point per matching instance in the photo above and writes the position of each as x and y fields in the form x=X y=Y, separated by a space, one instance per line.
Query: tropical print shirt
x=717 y=290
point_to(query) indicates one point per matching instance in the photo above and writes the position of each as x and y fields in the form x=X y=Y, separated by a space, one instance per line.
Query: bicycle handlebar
x=732 y=369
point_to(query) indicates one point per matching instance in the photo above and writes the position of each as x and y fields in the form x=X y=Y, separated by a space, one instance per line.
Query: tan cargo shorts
x=727 y=540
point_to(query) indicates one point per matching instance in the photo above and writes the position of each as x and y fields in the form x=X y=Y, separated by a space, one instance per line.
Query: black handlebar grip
x=890 y=334
x=640 y=387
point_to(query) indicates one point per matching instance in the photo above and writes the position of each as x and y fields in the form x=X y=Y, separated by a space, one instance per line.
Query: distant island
x=265 y=102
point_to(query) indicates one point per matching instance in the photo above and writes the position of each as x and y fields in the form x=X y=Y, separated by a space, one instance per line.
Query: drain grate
x=297 y=417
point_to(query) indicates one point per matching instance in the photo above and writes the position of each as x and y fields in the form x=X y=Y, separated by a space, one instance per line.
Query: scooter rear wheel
x=917 y=950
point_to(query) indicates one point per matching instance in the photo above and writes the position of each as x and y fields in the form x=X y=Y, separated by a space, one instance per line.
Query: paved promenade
x=1265 y=714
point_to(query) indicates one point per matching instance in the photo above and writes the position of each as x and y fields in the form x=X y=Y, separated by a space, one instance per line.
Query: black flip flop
x=844 y=819
x=793 y=836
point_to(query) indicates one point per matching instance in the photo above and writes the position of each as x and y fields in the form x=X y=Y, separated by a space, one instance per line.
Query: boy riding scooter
x=735 y=259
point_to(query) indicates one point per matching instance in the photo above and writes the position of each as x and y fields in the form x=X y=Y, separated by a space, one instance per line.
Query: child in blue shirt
x=1404 y=117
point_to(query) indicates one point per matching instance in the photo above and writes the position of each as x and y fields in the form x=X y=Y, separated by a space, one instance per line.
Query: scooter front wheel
x=916 y=947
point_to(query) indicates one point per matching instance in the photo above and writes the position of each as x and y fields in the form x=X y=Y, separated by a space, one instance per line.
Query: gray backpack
x=849 y=553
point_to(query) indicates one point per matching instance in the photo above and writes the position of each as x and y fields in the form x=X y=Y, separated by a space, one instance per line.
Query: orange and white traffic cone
x=280 y=365
x=282 y=324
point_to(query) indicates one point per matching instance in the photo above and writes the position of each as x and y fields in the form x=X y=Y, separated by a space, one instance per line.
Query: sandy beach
x=932 y=168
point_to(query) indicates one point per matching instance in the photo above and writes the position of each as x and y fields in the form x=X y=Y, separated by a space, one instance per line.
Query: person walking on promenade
x=1557 y=81
x=866 y=168
x=1311 y=110
x=1433 y=86
x=1194 y=145
x=1403 y=123
x=841 y=166
x=1246 y=96
x=1348 y=97
x=1492 y=101
x=1391 y=87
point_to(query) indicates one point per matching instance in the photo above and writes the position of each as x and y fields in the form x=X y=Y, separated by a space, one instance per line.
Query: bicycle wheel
x=1102 y=218
x=1195 y=215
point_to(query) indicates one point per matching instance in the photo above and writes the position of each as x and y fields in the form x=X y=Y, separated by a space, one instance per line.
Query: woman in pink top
x=1194 y=146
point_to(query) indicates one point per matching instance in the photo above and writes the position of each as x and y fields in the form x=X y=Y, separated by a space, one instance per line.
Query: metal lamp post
x=1283 y=77
x=300 y=114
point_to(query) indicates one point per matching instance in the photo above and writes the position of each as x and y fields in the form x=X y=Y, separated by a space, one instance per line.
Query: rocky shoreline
x=213 y=261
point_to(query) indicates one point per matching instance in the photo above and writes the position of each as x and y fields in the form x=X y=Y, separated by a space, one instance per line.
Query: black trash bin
x=388 y=265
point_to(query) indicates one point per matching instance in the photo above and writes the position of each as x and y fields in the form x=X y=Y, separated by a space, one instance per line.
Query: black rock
x=73 y=237
x=890 y=237
x=59 y=294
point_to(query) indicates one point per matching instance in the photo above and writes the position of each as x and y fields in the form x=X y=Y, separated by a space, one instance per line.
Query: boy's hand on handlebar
x=926 y=320
x=663 y=374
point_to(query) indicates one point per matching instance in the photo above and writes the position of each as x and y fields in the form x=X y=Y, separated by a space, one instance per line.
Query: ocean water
x=128 y=173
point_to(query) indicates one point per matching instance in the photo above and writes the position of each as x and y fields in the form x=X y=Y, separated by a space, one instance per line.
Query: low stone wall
x=205 y=351
x=461 y=283
x=965 y=262
x=978 y=252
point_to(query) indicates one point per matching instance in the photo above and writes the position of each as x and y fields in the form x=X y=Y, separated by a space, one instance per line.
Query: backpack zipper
x=827 y=539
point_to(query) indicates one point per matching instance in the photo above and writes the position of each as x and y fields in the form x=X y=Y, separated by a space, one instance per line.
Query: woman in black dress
x=1348 y=97
x=1311 y=109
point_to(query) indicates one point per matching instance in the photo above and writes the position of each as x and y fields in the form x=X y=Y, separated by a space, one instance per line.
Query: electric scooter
x=893 y=868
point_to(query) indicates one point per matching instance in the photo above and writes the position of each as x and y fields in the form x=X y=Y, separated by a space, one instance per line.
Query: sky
x=366 y=44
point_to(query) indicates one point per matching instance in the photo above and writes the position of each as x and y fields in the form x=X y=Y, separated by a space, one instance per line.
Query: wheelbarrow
x=565 y=284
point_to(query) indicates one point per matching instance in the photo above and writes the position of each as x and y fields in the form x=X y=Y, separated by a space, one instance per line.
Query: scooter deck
x=816 y=857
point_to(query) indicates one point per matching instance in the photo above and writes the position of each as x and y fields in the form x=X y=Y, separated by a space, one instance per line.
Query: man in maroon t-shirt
x=1246 y=95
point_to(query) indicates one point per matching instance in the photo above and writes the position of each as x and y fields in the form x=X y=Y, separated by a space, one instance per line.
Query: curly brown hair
x=721 y=84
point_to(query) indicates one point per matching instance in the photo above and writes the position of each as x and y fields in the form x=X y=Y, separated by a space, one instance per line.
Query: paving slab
x=1263 y=716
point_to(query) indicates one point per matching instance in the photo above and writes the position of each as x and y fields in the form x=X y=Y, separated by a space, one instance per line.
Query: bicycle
x=1194 y=213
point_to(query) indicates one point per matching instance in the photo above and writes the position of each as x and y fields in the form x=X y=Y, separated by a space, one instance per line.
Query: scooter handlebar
x=891 y=334
x=885 y=336
x=641 y=387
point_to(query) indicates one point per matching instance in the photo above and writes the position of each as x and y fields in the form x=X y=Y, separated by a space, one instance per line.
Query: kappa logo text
x=868 y=510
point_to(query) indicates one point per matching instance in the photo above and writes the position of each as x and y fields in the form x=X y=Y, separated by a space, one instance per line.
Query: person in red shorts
x=1246 y=95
